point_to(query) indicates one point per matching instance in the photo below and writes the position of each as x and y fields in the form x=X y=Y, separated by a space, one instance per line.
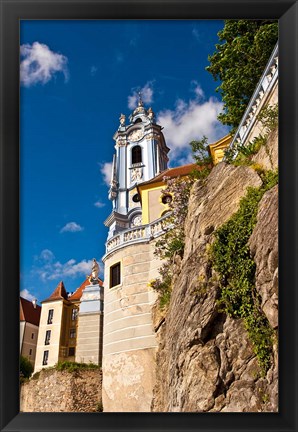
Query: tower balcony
x=139 y=234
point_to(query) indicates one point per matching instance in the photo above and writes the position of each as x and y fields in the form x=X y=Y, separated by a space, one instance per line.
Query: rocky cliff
x=205 y=359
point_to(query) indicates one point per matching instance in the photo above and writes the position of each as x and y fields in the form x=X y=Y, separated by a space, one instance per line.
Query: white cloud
x=190 y=121
x=39 y=64
x=27 y=295
x=99 y=204
x=147 y=95
x=46 y=255
x=57 y=270
x=70 y=269
x=71 y=227
x=197 y=89
x=196 y=34
x=93 y=70
x=106 y=171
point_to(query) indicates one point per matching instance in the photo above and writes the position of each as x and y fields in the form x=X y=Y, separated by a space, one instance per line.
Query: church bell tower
x=141 y=154
x=129 y=342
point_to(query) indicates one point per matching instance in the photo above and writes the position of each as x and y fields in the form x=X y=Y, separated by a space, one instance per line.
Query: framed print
x=165 y=297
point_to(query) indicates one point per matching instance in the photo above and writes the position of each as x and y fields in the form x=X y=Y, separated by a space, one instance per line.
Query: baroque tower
x=129 y=343
x=141 y=154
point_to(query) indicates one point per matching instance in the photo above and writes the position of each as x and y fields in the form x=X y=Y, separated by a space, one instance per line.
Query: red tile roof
x=28 y=313
x=79 y=291
x=58 y=294
x=173 y=172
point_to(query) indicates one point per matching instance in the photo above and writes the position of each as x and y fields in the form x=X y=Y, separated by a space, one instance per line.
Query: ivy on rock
x=231 y=259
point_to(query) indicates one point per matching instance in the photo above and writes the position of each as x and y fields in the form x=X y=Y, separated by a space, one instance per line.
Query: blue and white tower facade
x=129 y=340
x=141 y=154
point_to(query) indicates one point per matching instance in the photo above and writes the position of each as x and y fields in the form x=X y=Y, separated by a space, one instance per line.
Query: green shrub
x=202 y=158
x=163 y=284
x=74 y=366
x=171 y=244
x=23 y=380
x=26 y=367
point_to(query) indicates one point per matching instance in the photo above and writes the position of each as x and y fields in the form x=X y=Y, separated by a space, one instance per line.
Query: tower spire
x=140 y=103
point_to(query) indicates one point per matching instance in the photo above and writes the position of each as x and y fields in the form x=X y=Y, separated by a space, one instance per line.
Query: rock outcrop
x=205 y=360
x=267 y=156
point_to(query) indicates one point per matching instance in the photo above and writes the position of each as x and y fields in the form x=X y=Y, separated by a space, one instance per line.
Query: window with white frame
x=45 y=357
x=48 y=337
x=50 y=316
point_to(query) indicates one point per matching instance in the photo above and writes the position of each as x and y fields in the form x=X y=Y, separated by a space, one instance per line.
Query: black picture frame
x=11 y=12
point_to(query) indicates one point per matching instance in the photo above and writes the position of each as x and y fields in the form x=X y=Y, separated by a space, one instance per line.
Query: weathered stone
x=264 y=249
x=205 y=360
x=213 y=201
x=62 y=391
x=267 y=156
x=125 y=383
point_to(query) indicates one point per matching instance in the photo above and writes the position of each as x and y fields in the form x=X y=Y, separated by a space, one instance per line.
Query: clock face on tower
x=136 y=135
x=137 y=220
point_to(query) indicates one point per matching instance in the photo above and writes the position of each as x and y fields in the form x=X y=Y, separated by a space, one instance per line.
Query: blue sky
x=77 y=77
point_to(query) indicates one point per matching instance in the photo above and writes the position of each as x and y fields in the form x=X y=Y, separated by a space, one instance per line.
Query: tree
x=239 y=61
x=201 y=157
x=26 y=367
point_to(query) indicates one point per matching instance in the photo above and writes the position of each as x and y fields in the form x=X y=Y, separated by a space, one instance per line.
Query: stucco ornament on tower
x=122 y=120
x=136 y=135
x=136 y=174
x=151 y=114
x=93 y=278
x=137 y=220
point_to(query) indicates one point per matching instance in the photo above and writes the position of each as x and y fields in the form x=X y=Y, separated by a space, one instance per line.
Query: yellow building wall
x=29 y=335
x=60 y=341
x=65 y=340
x=55 y=328
x=152 y=205
x=217 y=149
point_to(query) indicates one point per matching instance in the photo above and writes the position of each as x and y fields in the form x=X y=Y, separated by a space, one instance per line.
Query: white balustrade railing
x=139 y=234
x=266 y=83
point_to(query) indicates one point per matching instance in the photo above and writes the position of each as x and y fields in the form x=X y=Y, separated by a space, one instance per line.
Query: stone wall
x=62 y=391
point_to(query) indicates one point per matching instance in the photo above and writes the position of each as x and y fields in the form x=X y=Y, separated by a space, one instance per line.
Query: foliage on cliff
x=231 y=259
x=238 y=62
x=75 y=366
x=171 y=244
x=202 y=158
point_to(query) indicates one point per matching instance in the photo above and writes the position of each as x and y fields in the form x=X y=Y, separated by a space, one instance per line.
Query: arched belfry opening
x=136 y=155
